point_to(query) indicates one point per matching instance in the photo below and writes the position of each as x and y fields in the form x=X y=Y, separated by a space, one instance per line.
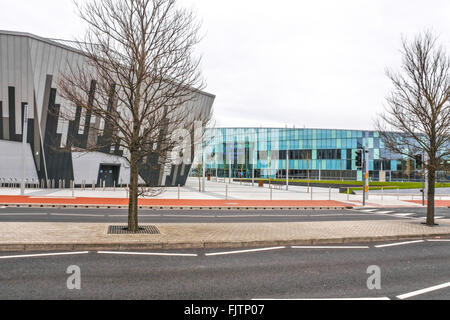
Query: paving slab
x=15 y=236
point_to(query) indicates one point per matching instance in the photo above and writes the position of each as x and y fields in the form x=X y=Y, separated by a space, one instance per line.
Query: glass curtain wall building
x=326 y=154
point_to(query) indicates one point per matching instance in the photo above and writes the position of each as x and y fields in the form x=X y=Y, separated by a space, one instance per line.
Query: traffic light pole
x=366 y=173
x=364 y=167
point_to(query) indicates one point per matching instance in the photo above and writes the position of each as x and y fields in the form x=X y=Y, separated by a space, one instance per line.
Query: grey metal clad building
x=29 y=70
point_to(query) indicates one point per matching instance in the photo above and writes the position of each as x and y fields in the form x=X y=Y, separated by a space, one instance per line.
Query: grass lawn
x=374 y=185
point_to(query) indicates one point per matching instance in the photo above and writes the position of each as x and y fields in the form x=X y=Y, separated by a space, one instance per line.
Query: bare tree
x=140 y=82
x=417 y=118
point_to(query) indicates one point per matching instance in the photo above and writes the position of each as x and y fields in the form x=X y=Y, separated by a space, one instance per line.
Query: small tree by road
x=139 y=78
x=417 y=118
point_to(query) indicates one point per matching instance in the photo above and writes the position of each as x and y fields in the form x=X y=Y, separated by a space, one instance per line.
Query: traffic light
x=419 y=162
x=359 y=158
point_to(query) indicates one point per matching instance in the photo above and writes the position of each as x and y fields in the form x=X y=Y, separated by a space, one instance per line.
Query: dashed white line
x=419 y=292
x=384 y=212
x=439 y=240
x=398 y=244
x=22 y=214
x=43 y=255
x=368 y=210
x=403 y=214
x=243 y=251
x=149 y=254
x=330 y=247
x=327 y=299
x=76 y=215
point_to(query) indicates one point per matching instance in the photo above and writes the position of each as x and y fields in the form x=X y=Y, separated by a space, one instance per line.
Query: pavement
x=32 y=236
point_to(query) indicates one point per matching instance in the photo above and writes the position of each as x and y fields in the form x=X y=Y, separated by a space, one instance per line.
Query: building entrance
x=108 y=175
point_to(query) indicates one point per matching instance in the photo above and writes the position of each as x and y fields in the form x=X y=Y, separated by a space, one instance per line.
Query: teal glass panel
x=394 y=165
x=359 y=176
x=376 y=154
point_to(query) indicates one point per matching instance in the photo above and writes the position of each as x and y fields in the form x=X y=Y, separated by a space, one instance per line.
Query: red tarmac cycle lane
x=437 y=203
x=171 y=202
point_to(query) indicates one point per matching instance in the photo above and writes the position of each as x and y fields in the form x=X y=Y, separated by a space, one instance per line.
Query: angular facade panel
x=29 y=71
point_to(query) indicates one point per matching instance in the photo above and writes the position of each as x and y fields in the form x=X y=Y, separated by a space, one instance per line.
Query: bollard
x=382 y=193
x=398 y=194
x=178 y=192
x=226 y=192
x=311 y=193
x=348 y=193
x=126 y=189
x=270 y=187
x=329 y=194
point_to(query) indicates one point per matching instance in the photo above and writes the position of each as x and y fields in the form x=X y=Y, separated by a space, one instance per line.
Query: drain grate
x=124 y=230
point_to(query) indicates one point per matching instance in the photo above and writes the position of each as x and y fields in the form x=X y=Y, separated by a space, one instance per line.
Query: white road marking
x=398 y=244
x=384 y=212
x=77 y=215
x=330 y=247
x=3 y=207
x=23 y=214
x=148 y=254
x=439 y=240
x=326 y=299
x=419 y=292
x=368 y=210
x=43 y=255
x=403 y=214
x=243 y=251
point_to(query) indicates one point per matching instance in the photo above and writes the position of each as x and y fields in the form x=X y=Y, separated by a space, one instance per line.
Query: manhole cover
x=124 y=230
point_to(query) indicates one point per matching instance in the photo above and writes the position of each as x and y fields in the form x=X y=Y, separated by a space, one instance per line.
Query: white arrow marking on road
x=398 y=244
x=419 y=292
x=148 y=254
x=330 y=247
x=243 y=251
x=43 y=255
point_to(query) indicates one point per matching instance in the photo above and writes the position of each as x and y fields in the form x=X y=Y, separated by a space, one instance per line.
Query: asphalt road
x=281 y=273
x=10 y=214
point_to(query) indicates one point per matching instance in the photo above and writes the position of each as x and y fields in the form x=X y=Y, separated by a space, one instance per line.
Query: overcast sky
x=316 y=63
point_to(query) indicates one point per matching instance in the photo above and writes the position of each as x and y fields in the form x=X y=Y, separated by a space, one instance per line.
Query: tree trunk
x=133 y=196
x=430 y=195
